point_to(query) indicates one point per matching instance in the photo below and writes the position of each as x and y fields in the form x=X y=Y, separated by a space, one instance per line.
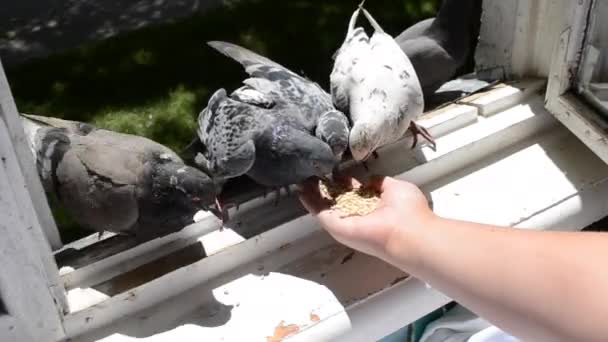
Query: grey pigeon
x=116 y=182
x=279 y=129
x=266 y=144
x=439 y=47
x=375 y=82
x=303 y=101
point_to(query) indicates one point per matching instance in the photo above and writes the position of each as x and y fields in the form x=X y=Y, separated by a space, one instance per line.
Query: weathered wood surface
x=9 y=114
x=31 y=290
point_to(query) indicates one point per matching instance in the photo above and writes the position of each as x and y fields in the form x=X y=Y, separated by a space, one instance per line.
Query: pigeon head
x=305 y=155
x=374 y=124
x=364 y=140
x=316 y=157
x=183 y=188
x=333 y=128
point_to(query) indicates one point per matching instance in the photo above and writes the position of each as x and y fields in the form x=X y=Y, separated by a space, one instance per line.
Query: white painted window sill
x=501 y=159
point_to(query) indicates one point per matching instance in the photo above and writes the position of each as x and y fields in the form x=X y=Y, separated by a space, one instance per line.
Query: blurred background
x=142 y=67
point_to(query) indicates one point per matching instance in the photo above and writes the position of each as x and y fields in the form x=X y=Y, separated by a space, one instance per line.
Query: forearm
x=537 y=285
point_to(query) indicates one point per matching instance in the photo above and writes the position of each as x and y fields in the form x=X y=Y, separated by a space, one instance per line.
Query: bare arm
x=538 y=286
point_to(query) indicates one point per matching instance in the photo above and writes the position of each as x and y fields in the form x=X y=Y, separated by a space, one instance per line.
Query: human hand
x=402 y=208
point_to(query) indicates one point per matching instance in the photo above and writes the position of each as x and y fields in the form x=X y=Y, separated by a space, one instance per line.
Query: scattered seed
x=351 y=202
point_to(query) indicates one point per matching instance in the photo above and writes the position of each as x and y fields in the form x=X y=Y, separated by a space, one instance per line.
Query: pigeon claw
x=222 y=212
x=419 y=130
x=277 y=192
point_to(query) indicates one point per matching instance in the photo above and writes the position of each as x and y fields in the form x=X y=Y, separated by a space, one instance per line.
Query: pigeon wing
x=306 y=99
x=339 y=82
x=227 y=128
x=347 y=71
x=97 y=197
x=353 y=49
x=251 y=95
x=117 y=166
x=74 y=127
x=242 y=55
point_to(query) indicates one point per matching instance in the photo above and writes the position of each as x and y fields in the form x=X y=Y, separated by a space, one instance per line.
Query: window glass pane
x=593 y=75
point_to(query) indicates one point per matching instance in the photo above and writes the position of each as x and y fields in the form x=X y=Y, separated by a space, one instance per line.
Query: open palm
x=402 y=206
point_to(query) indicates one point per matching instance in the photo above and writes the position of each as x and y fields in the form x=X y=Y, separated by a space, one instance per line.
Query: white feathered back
x=375 y=82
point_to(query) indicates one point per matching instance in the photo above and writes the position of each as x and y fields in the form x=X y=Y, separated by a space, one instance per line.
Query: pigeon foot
x=222 y=211
x=419 y=130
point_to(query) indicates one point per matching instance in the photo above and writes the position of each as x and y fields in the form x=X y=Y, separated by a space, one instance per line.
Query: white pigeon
x=374 y=81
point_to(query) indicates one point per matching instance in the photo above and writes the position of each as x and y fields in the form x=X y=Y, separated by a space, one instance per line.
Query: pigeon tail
x=46 y=121
x=205 y=118
x=352 y=23
x=242 y=55
x=372 y=21
x=30 y=129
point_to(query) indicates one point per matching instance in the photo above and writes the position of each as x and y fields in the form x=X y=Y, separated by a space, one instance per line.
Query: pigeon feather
x=246 y=138
x=374 y=81
x=298 y=100
x=109 y=181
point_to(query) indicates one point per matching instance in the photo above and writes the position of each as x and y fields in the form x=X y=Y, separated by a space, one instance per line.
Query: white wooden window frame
x=21 y=148
x=596 y=93
x=31 y=290
x=563 y=99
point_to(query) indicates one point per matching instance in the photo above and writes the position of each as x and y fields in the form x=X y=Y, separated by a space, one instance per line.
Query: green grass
x=168 y=119
x=153 y=82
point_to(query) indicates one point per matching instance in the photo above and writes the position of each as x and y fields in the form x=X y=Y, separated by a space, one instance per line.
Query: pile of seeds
x=352 y=202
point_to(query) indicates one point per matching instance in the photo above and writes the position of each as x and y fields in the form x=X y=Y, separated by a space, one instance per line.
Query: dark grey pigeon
x=301 y=101
x=116 y=182
x=245 y=134
x=439 y=47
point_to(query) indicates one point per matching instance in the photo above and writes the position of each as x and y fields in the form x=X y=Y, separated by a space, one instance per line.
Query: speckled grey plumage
x=116 y=182
x=439 y=47
x=279 y=128
x=271 y=148
x=374 y=81
x=291 y=95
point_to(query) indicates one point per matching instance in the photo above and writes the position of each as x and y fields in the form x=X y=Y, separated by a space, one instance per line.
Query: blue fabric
x=492 y=334
x=461 y=325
